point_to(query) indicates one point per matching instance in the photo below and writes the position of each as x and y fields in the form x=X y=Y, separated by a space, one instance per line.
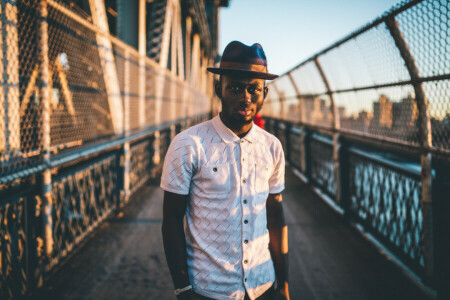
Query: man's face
x=242 y=98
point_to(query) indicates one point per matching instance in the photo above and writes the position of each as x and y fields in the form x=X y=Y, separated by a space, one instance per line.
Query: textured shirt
x=227 y=180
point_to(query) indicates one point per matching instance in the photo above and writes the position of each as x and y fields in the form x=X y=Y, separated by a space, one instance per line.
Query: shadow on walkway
x=328 y=258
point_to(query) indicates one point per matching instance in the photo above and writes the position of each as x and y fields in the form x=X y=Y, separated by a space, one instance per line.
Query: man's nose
x=248 y=96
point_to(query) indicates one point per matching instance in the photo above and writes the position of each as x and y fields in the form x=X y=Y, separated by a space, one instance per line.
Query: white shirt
x=228 y=180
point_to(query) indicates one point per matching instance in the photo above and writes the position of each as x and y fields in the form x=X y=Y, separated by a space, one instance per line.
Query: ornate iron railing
x=380 y=190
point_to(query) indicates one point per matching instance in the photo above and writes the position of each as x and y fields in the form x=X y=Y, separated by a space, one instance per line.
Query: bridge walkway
x=328 y=258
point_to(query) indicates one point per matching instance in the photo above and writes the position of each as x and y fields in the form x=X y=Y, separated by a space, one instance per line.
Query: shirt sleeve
x=276 y=181
x=179 y=165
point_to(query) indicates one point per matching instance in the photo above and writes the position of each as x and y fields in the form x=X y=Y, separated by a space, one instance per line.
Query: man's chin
x=245 y=119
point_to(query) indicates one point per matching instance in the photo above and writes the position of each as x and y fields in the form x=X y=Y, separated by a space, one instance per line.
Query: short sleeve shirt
x=227 y=180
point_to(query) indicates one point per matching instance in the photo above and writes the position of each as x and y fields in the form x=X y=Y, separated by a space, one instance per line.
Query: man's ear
x=266 y=91
x=218 y=89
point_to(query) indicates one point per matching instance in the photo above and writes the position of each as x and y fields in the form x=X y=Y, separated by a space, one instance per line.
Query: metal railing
x=84 y=123
x=383 y=89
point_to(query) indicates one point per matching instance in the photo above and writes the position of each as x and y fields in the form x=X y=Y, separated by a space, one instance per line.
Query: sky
x=291 y=31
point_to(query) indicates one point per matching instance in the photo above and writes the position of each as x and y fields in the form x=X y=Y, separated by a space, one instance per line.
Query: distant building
x=382 y=111
x=395 y=119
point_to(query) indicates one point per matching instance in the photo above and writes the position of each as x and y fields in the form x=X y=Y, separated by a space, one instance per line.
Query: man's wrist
x=282 y=285
x=184 y=289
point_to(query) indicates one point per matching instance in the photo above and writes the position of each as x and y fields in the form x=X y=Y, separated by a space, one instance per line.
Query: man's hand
x=189 y=295
x=278 y=244
x=174 y=239
x=282 y=293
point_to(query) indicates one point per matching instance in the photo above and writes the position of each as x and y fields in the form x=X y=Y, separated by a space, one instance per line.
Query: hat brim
x=243 y=73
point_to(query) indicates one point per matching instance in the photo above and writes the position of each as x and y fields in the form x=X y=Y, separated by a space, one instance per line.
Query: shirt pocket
x=216 y=179
x=262 y=173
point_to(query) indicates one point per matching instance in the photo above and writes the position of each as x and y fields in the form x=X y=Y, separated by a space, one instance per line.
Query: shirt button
x=245 y=221
x=245 y=279
x=242 y=141
x=246 y=242
x=243 y=180
x=243 y=159
x=245 y=201
x=245 y=261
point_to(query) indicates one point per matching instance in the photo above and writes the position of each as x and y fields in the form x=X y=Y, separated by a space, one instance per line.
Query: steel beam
x=108 y=64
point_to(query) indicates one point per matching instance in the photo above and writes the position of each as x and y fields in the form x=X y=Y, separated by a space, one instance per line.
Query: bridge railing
x=367 y=121
x=84 y=122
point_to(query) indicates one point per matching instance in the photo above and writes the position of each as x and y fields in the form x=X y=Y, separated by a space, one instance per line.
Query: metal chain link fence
x=373 y=91
x=85 y=122
x=366 y=121
x=93 y=87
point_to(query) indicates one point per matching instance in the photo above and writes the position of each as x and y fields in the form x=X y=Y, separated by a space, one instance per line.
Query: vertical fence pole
x=142 y=79
x=335 y=123
x=126 y=155
x=46 y=142
x=303 y=160
x=9 y=91
x=188 y=48
x=280 y=99
x=156 y=159
x=425 y=143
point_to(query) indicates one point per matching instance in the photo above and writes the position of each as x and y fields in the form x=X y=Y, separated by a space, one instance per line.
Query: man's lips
x=244 y=112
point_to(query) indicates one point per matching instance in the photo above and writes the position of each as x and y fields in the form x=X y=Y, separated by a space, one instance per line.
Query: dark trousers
x=268 y=295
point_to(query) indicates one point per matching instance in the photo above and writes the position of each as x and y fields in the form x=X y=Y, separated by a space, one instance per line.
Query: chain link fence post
x=156 y=158
x=425 y=143
x=335 y=124
x=46 y=142
x=126 y=154
x=303 y=160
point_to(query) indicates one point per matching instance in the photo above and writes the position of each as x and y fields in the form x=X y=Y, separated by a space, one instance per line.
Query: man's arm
x=174 y=240
x=278 y=234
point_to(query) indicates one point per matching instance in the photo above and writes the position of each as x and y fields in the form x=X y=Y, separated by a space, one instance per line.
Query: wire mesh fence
x=85 y=121
x=98 y=87
x=373 y=90
x=373 y=119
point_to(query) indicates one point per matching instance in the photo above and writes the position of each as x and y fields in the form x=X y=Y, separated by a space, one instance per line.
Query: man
x=226 y=176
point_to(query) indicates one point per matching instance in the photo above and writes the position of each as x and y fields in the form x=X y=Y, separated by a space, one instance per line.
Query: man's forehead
x=242 y=80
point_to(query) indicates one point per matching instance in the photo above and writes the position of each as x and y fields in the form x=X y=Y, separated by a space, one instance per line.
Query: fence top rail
x=118 y=43
x=94 y=149
x=357 y=136
x=406 y=168
x=397 y=9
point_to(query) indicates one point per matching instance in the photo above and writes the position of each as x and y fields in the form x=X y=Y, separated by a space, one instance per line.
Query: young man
x=226 y=176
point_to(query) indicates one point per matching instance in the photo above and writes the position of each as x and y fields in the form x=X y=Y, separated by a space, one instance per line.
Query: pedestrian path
x=328 y=258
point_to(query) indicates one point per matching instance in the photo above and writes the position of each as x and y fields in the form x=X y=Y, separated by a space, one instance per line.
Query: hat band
x=248 y=67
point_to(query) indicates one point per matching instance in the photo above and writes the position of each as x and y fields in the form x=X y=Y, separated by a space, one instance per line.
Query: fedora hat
x=239 y=59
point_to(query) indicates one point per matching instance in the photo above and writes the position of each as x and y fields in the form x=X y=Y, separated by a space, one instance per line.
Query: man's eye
x=254 y=90
x=236 y=89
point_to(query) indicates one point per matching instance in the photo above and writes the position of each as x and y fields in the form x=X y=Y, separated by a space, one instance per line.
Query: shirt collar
x=229 y=136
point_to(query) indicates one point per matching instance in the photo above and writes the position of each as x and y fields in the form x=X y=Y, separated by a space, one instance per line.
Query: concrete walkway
x=328 y=258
